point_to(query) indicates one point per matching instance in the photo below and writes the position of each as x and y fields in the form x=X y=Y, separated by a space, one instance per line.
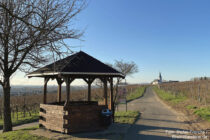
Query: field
x=169 y=96
x=192 y=97
x=136 y=93
x=198 y=91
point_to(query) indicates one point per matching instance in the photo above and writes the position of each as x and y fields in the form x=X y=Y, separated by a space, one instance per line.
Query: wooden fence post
x=199 y=98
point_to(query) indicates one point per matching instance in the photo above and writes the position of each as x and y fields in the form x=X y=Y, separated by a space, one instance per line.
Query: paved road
x=156 y=118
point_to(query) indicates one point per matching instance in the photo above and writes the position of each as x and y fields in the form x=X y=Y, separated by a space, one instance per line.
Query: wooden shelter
x=75 y=116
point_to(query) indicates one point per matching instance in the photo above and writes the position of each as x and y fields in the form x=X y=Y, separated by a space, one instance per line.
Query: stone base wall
x=74 y=117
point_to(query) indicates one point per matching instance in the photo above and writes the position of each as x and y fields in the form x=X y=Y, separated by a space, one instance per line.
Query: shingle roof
x=77 y=64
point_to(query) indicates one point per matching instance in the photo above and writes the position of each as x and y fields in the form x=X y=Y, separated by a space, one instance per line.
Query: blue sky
x=168 y=36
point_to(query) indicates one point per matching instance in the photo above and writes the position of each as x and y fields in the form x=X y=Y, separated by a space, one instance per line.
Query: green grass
x=128 y=117
x=191 y=107
x=22 y=134
x=136 y=94
x=21 y=119
x=169 y=96
x=203 y=112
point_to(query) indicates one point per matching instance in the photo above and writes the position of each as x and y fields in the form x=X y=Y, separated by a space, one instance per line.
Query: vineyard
x=192 y=97
x=25 y=108
x=199 y=90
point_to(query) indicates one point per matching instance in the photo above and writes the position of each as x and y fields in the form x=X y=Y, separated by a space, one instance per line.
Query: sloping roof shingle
x=79 y=63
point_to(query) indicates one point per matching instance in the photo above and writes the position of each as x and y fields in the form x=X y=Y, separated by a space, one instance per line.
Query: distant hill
x=31 y=89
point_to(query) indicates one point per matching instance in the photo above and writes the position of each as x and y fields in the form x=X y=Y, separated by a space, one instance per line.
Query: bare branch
x=127 y=68
x=31 y=32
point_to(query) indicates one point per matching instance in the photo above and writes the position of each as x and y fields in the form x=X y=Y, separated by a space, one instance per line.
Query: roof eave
x=75 y=73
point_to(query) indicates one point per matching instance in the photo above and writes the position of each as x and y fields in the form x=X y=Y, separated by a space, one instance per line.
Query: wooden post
x=89 y=91
x=68 y=82
x=111 y=103
x=111 y=94
x=67 y=90
x=46 y=79
x=59 y=93
x=89 y=81
x=105 y=92
x=59 y=81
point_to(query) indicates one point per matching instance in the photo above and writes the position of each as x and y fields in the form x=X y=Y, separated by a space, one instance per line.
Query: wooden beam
x=46 y=79
x=86 y=80
x=59 y=81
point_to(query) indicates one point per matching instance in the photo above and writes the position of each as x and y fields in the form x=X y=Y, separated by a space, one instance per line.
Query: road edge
x=180 y=115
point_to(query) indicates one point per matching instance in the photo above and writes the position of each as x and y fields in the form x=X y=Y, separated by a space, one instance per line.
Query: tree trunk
x=6 y=104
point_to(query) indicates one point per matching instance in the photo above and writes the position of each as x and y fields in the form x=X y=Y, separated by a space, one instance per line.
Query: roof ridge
x=66 y=59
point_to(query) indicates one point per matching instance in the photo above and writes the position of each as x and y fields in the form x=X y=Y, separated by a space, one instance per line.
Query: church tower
x=160 y=78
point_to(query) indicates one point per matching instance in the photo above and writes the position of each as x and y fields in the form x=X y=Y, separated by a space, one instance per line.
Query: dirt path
x=156 y=118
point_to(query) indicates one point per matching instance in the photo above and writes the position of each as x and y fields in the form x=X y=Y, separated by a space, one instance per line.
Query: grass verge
x=136 y=94
x=128 y=117
x=22 y=120
x=203 y=112
x=22 y=134
x=169 y=96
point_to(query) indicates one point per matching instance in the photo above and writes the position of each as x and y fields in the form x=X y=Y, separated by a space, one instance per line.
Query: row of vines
x=198 y=90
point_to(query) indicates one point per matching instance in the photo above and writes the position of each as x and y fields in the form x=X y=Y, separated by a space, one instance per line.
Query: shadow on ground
x=116 y=131
x=149 y=132
x=156 y=133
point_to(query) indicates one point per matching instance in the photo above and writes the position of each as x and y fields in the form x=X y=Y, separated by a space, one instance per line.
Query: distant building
x=155 y=82
x=160 y=80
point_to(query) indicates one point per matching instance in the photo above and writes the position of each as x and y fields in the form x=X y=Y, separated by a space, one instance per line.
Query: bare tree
x=127 y=68
x=30 y=32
